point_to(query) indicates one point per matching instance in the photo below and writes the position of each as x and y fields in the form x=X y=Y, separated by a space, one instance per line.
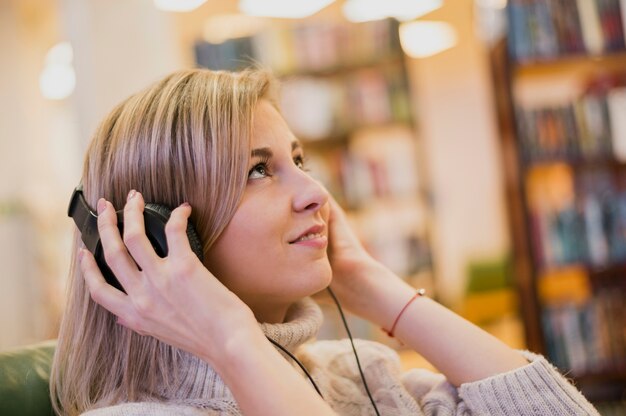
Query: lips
x=312 y=233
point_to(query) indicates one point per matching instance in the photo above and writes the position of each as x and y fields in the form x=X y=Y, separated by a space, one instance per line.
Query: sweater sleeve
x=535 y=389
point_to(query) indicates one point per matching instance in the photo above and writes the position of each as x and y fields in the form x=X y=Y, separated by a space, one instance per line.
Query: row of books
x=580 y=219
x=379 y=188
x=589 y=128
x=377 y=163
x=588 y=338
x=321 y=107
x=306 y=47
x=548 y=29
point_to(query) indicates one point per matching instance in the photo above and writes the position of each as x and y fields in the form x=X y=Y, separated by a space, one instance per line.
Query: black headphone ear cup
x=156 y=217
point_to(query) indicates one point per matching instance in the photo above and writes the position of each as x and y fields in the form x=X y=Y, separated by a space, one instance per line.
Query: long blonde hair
x=185 y=138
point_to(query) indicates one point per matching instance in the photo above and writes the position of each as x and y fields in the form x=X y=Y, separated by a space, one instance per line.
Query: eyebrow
x=266 y=152
x=263 y=152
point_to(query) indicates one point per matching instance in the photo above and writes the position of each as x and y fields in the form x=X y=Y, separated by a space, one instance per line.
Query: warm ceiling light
x=57 y=80
x=178 y=5
x=403 y=10
x=292 y=9
x=60 y=54
x=422 y=39
x=492 y=4
x=217 y=29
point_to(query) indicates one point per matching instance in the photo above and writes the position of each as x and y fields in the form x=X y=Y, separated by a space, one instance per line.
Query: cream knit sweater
x=536 y=389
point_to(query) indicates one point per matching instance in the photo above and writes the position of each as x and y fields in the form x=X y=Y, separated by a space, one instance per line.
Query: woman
x=185 y=336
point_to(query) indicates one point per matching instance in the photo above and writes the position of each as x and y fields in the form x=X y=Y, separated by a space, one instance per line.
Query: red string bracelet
x=419 y=293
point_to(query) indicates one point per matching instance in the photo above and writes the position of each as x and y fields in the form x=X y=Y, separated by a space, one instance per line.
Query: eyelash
x=262 y=164
x=299 y=161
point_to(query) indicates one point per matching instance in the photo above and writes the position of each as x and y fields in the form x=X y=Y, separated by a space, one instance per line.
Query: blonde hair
x=185 y=138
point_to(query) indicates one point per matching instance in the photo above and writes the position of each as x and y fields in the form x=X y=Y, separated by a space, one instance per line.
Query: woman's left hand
x=357 y=276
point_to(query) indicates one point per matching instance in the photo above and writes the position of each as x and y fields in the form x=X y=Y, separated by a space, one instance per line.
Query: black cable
x=358 y=363
x=283 y=349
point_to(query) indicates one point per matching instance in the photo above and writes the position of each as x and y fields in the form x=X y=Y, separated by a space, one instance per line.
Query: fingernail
x=131 y=194
x=102 y=204
x=185 y=204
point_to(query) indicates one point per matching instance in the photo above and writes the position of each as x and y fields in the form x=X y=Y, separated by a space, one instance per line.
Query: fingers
x=176 y=231
x=101 y=292
x=117 y=257
x=335 y=209
x=135 y=237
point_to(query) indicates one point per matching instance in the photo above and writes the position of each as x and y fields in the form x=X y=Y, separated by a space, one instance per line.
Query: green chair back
x=24 y=376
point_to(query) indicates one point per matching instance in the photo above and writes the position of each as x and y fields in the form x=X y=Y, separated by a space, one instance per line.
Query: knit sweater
x=535 y=389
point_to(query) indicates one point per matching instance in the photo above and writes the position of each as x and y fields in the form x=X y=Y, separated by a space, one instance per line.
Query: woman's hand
x=174 y=299
x=358 y=279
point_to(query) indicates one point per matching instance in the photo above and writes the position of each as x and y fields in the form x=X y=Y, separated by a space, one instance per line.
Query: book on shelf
x=344 y=102
x=378 y=163
x=577 y=217
x=588 y=338
x=590 y=127
x=548 y=29
x=314 y=47
x=616 y=103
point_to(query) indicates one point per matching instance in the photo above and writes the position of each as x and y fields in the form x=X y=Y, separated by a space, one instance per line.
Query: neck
x=271 y=314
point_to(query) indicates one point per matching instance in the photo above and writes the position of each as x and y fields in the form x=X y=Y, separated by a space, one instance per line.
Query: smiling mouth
x=307 y=237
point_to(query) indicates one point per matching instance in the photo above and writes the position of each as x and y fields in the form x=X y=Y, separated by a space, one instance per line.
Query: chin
x=319 y=279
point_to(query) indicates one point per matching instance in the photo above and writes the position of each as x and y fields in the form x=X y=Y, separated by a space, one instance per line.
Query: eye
x=258 y=171
x=300 y=162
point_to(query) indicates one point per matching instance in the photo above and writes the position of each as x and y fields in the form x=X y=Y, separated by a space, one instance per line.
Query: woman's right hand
x=174 y=299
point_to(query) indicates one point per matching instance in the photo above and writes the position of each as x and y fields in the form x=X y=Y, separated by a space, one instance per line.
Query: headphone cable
x=283 y=349
x=358 y=362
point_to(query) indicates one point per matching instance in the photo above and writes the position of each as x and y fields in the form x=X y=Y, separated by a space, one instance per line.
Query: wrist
x=231 y=335
x=384 y=294
x=241 y=344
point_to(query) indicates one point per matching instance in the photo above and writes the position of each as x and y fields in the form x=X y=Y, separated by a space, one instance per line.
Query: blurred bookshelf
x=345 y=94
x=560 y=87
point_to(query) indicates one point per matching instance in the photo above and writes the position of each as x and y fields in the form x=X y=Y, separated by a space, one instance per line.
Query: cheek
x=247 y=246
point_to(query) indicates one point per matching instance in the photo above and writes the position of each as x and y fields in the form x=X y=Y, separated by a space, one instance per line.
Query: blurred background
x=479 y=147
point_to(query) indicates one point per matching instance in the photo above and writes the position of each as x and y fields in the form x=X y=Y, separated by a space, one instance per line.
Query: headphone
x=155 y=217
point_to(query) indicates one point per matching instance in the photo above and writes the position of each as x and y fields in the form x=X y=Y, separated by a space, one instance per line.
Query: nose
x=309 y=194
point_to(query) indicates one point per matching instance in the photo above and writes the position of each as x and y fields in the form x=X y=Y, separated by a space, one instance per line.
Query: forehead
x=270 y=128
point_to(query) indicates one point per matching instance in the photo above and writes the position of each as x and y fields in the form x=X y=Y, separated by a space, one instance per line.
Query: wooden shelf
x=575 y=162
x=532 y=96
x=392 y=59
x=609 y=62
x=591 y=269
x=550 y=295
x=572 y=59
x=602 y=386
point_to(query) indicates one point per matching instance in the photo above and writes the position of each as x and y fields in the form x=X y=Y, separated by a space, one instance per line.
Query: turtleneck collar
x=200 y=384
x=302 y=323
